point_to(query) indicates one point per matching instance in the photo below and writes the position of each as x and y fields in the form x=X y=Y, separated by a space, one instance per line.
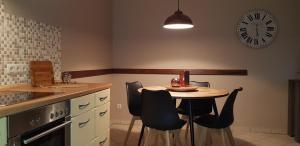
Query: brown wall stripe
x=90 y=73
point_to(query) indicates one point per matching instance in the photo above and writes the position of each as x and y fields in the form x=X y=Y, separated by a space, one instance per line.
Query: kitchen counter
x=64 y=92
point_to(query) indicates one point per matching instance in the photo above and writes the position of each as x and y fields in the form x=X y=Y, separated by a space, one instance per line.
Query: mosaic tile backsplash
x=23 y=40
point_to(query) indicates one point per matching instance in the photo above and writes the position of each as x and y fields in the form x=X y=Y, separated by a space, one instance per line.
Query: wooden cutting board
x=41 y=73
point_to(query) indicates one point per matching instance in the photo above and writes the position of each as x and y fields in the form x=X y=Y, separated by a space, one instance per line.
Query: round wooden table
x=200 y=93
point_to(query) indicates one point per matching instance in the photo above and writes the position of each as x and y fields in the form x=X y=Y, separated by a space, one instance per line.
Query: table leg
x=141 y=135
x=191 y=117
x=215 y=108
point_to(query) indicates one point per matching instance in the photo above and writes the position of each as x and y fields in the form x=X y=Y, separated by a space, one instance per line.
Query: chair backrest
x=200 y=84
x=134 y=99
x=158 y=110
x=227 y=117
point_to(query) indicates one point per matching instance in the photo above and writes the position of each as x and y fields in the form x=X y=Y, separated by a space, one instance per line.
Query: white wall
x=139 y=41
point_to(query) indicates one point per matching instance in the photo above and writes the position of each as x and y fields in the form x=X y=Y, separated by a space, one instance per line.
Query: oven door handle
x=38 y=136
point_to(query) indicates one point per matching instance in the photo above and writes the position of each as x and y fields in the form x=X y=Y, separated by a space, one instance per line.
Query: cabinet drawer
x=102 y=97
x=102 y=116
x=102 y=141
x=82 y=129
x=82 y=104
x=3 y=132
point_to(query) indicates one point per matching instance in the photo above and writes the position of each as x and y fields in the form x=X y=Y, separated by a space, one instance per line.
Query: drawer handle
x=103 y=98
x=83 y=106
x=102 y=142
x=83 y=123
x=102 y=113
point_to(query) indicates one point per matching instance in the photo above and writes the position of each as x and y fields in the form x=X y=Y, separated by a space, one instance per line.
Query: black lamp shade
x=178 y=21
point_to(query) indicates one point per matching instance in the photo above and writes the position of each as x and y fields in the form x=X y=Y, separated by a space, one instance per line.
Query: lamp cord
x=178 y=5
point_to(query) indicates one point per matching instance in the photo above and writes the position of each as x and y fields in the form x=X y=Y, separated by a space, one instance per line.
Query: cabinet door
x=102 y=141
x=82 y=129
x=3 y=132
x=102 y=115
x=102 y=97
x=82 y=104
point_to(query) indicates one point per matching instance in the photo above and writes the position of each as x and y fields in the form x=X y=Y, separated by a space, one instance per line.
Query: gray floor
x=242 y=138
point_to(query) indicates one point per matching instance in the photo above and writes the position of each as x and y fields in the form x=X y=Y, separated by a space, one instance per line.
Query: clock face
x=257 y=29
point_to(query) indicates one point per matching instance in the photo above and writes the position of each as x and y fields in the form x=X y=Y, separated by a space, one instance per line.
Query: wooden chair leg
x=167 y=138
x=187 y=125
x=177 y=137
x=203 y=135
x=208 y=138
x=141 y=140
x=129 y=130
x=223 y=136
x=162 y=139
x=230 y=137
x=187 y=129
x=148 y=137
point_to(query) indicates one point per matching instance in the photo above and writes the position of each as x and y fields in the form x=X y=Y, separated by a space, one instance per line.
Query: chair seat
x=209 y=121
x=178 y=125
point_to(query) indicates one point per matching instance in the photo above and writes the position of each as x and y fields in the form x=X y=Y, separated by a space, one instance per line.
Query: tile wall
x=23 y=40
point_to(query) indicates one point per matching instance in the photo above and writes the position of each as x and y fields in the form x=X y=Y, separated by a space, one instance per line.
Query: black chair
x=221 y=122
x=199 y=106
x=134 y=102
x=159 y=115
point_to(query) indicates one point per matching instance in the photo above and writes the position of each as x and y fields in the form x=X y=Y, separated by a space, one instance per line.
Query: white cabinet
x=102 y=97
x=90 y=116
x=81 y=129
x=82 y=104
x=102 y=117
x=101 y=141
x=3 y=131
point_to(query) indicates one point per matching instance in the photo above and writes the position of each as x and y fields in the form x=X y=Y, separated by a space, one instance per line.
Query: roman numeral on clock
x=263 y=17
x=245 y=22
x=270 y=21
x=256 y=41
x=268 y=34
x=257 y=16
x=244 y=35
x=270 y=28
x=249 y=40
x=243 y=29
x=250 y=17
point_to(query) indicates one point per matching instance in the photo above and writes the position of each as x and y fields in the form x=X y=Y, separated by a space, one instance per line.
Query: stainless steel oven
x=44 y=126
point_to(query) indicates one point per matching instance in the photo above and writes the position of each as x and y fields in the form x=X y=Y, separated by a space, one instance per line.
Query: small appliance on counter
x=66 y=77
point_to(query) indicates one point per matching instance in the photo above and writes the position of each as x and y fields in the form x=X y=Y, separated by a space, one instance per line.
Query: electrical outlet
x=119 y=106
x=10 y=69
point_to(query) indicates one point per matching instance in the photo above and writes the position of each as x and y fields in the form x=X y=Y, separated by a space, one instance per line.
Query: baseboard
x=260 y=130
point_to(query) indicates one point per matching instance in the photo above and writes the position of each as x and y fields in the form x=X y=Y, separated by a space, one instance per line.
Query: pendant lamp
x=178 y=20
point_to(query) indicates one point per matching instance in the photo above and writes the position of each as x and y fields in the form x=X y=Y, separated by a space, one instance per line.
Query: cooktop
x=14 y=97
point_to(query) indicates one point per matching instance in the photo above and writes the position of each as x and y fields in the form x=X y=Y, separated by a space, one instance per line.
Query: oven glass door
x=54 y=134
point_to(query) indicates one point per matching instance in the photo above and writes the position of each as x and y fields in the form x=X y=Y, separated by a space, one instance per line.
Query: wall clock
x=257 y=28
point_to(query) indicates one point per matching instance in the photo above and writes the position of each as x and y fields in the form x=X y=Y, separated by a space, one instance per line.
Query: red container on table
x=186 y=78
x=181 y=78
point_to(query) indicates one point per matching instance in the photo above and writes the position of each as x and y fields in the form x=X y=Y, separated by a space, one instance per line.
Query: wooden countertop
x=64 y=92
